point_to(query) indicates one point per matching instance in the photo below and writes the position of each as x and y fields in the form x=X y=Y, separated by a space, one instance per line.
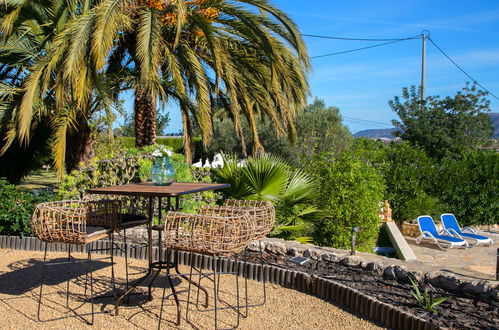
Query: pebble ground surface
x=19 y=289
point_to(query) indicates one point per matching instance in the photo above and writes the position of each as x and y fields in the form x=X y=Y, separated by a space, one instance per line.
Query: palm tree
x=191 y=52
x=270 y=178
x=195 y=52
x=33 y=89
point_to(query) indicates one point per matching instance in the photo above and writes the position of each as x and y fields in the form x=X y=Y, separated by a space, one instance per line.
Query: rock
x=312 y=254
x=475 y=287
x=255 y=246
x=449 y=282
x=350 y=261
x=416 y=276
x=276 y=247
x=295 y=251
x=432 y=278
x=401 y=273
x=373 y=266
x=389 y=272
x=363 y=264
x=329 y=257
x=494 y=294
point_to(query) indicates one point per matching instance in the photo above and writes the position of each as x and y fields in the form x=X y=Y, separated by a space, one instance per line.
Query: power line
x=365 y=121
x=354 y=39
x=362 y=48
x=462 y=70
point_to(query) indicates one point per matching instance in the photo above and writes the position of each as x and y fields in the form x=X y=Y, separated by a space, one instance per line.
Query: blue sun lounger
x=429 y=231
x=451 y=225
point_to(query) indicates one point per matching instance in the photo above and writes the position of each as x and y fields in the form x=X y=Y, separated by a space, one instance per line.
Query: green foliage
x=270 y=178
x=423 y=205
x=128 y=127
x=443 y=127
x=145 y=167
x=131 y=165
x=316 y=120
x=175 y=144
x=350 y=191
x=425 y=300
x=16 y=208
x=409 y=174
x=469 y=187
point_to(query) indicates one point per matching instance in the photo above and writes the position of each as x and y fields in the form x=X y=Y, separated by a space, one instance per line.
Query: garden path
x=19 y=276
x=476 y=263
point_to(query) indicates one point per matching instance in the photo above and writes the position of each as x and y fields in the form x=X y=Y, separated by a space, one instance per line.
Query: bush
x=270 y=178
x=16 y=208
x=115 y=166
x=469 y=187
x=175 y=144
x=350 y=191
x=409 y=175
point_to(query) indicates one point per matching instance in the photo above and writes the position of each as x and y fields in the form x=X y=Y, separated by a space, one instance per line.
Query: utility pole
x=424 y=35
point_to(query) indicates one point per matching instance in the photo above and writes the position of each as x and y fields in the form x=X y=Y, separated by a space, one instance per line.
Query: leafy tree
x=350 y=192
x=314 y=122
x=448 y=126
x=128 y=127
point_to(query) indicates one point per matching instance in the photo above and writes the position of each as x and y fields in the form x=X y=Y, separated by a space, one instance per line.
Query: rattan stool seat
x=66 y=221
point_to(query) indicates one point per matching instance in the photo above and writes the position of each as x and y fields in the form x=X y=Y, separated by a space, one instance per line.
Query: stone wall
x=390 y=268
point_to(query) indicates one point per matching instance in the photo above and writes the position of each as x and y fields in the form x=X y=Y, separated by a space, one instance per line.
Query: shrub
x=175 y=144
x=132 y=165
x=350 y=191
x=145 y=168
x=270 y=178
x=16 y=208
x=469 y=187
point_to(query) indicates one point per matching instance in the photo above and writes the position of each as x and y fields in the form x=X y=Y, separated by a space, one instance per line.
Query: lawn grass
x=39 y=179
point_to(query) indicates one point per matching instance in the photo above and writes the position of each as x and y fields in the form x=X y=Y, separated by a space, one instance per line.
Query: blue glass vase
x=162 y=173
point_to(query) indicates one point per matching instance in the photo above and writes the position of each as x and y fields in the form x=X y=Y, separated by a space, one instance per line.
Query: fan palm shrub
x=270 y=178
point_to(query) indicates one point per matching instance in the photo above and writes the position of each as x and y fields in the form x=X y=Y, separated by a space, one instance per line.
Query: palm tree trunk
x=187 y=125
x=145 y=118
x=79 y=146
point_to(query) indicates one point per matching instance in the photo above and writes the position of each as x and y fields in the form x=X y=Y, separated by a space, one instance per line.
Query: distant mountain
x=376 y=133
x=387 y=132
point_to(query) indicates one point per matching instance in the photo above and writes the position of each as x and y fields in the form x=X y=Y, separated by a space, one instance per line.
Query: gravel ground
x=20 y=271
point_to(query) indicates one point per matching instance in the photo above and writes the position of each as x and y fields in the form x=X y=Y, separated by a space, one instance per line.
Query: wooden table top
x=148 y=189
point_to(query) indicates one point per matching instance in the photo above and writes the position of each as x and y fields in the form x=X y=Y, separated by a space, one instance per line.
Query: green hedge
x=175 y=144
x=469 y=187
x=16 y=208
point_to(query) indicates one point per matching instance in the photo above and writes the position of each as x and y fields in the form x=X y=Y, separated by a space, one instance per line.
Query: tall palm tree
x=192 y=52
x=195 y=52
x=33 y=89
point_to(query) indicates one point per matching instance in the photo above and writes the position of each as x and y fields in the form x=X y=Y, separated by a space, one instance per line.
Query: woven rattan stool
x=131 y=212
x=262 y=219
x=220 y=234
x=69 y=222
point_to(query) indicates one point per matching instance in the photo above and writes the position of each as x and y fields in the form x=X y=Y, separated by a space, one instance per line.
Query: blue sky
x=361 y=83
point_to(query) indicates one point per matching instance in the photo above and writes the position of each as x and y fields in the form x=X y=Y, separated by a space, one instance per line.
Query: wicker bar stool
x=215 y=233
x=262 y=215
x=72 y=223
x=132 y=212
